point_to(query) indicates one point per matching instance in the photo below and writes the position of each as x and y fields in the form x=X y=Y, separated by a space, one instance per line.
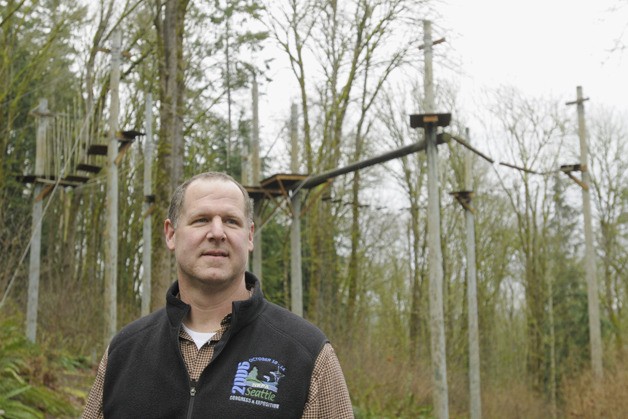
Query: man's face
x=213 y=237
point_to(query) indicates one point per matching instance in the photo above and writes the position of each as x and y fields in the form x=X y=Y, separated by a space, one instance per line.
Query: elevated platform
x=278 y=189
x=90 y=168
x=49 y=182
x=71 y=180
x=277 y=185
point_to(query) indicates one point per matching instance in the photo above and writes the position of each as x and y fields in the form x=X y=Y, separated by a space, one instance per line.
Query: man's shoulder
x=293 y=326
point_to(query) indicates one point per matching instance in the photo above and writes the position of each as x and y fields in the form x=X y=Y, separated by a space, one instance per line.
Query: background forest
x=364 y=237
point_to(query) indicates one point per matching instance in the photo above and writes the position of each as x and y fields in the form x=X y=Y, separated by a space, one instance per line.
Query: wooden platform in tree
x=71 y=180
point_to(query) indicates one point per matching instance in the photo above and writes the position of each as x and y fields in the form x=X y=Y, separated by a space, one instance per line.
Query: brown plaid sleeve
x=329 y=396
x=93 y=408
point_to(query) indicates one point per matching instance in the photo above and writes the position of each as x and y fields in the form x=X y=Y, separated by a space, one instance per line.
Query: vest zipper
x=192 y=397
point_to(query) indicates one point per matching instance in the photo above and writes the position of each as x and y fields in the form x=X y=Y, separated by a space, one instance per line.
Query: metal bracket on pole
x=125 y=139
x=44 y=193
x=150 y=201
x=425 y=120
x=464 y=198
x=568 y=168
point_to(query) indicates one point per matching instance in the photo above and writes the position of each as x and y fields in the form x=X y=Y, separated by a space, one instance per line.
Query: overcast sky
x=544 y=47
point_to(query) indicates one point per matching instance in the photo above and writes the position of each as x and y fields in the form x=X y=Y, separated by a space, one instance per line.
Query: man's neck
x=208 y=309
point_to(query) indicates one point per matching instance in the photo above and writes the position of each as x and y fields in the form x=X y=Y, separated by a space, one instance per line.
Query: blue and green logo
x=256 y=381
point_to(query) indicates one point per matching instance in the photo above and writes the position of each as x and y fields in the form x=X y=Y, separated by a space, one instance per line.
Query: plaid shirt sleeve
x=329 y=396
x=93 y=408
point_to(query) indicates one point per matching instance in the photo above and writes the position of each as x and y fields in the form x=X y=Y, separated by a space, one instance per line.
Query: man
x=218 y=349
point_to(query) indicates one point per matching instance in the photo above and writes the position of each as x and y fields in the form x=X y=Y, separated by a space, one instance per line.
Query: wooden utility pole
x=435 y=258
x=256 y=175
x=472 y=297
x=111 y=236
x=255 y=158
x=595 y=335
x=296 y=279
x=35 y=251
x=552 y=345
x=148 y=206
x=294 y=138
x=246 y=176
x=245 y=166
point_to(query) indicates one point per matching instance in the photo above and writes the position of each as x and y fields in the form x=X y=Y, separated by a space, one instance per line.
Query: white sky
x=543 y=47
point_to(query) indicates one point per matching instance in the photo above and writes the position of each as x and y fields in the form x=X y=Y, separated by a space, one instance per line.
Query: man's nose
x=216 y=230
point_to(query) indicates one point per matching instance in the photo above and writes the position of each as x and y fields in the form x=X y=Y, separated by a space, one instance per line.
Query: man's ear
x=169 y=233
x=251 y=234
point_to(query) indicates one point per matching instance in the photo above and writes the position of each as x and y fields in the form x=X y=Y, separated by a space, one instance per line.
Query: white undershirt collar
x=199 y=338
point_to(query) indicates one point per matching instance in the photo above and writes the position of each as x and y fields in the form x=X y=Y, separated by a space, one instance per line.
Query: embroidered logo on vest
x=256 y=381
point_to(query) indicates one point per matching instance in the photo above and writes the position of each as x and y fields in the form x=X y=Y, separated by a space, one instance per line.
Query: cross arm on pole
x=577 y=101
x=438 y=41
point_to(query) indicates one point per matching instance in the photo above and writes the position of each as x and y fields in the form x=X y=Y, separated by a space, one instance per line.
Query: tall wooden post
x=246 y=176
x=472 y=298
x=256 y=177
x=111 y=236
x=256 y=169
x=552 y=346
x=294 y=138
x=35 y=251
x=435 y=258
x=595 y=335
x=148 y=203
x=296 y=279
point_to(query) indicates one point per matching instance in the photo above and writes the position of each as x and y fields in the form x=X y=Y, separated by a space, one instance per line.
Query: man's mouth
x=216 y=253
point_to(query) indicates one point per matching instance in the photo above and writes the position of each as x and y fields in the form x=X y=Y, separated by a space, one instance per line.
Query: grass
x=383 y=385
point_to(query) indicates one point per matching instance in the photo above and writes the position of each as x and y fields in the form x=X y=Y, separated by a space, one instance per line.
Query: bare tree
x=609 y=179
x=341 y=54
x=535 y=132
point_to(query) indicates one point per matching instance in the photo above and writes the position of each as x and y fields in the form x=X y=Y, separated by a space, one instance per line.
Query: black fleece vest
x=261 y=367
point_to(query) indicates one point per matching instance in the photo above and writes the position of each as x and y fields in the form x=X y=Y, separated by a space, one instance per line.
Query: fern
x=22 y=394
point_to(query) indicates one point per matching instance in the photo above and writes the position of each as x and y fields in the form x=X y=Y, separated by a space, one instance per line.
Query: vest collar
x=242 y=312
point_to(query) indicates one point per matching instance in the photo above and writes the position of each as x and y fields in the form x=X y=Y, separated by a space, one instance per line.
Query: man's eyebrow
x=196 y=213
x=232 y=213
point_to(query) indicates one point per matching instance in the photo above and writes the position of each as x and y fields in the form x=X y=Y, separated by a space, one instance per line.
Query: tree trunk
x=170 y=31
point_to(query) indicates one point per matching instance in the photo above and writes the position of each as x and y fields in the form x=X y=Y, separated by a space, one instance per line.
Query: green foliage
x=36 y=61
x=25 y=374
x=276 y=261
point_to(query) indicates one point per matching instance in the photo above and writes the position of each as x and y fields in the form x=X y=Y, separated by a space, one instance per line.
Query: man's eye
x=200 y=220
x=232 y=221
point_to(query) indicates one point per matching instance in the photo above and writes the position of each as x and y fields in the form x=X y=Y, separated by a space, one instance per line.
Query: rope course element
x=63 y=138
x=52 y=189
